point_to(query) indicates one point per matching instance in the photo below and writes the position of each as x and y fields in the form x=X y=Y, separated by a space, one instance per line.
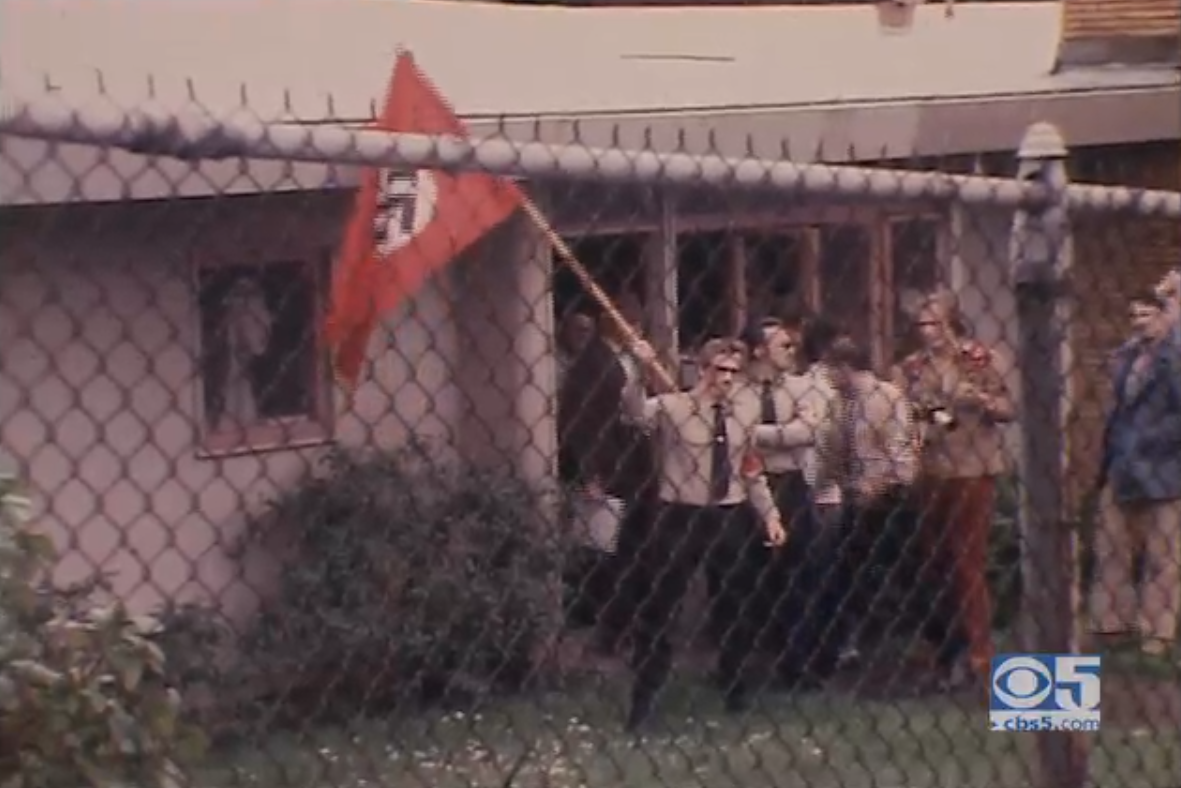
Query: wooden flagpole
x=591 y=286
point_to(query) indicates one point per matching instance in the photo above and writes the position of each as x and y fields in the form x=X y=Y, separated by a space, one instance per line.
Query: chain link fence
x=500 y=560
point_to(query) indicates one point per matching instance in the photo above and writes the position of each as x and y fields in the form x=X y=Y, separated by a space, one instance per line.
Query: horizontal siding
x=1099 y=18
x=1114 y=257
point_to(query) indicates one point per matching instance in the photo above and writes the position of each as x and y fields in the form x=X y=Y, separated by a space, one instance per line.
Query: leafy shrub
x=411 y=580
x=83 y=700
x=1004 y=554
x=196 y=642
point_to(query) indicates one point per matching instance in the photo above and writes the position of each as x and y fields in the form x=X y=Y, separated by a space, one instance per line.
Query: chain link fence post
x=1040 y=251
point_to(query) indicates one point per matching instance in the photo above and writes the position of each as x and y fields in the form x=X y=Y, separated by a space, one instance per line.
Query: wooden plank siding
x=1089 y=18
x=1098 y=32
x=1115 y=256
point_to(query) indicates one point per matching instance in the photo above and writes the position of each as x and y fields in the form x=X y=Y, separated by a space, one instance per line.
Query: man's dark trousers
x=728 y=540
x=791 y=612
x=880 y=583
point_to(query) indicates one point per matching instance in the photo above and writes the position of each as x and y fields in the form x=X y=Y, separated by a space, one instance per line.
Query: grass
x=1130 y=661
x=573 y=739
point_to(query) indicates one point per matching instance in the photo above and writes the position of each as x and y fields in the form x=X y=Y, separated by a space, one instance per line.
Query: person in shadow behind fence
x=602 y=455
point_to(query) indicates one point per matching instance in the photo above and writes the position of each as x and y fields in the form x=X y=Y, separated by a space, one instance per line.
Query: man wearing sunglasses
x=712 y=495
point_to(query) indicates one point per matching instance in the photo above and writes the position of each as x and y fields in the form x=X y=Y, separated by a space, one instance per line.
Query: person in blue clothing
x=1140 y=482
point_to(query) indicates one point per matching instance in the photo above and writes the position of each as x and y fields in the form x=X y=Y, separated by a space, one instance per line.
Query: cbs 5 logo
x=1026 y=682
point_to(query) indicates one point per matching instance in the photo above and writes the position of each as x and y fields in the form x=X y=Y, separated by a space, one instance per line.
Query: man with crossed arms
x=792 y=407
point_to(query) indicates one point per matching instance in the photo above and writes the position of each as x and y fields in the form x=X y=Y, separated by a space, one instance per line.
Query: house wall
x=98 y=332
x=506 y=378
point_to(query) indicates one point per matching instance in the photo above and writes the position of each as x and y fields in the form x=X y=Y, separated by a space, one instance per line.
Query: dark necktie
x=720 y=471
x=847 y=462
x=767 y=403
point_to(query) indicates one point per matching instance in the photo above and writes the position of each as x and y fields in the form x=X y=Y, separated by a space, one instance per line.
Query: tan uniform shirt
x=682 y=425
x=975 y=447
x=870 y=445
x=789 y=444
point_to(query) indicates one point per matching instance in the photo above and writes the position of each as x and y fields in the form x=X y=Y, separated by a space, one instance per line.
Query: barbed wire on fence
x=196 y=134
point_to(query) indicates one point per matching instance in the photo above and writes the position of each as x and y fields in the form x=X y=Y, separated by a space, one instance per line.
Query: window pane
x=845 y=266
x=774 y=274
x=703 y=288
x=615 y=262
x=914 y=257
x=258 y=342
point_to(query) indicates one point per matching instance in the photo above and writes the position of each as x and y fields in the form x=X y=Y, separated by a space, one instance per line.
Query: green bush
x=1004 y=566
x=196 y=642
x=83 y=695
x=1004 y=554
x=411 y=580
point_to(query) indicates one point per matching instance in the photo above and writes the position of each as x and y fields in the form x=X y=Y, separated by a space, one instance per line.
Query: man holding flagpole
x=407 y=226
x=715 y=509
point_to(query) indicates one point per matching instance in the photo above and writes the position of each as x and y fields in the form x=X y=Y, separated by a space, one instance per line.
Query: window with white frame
x=264 y=382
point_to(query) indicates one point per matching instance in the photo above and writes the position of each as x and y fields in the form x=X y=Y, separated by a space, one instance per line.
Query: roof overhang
x=850 y=132
x=735 y=81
